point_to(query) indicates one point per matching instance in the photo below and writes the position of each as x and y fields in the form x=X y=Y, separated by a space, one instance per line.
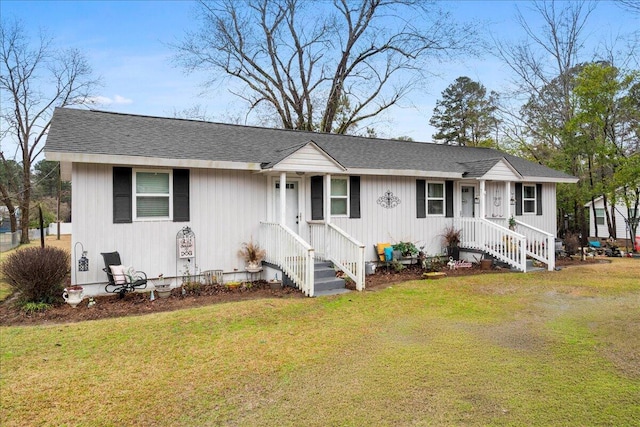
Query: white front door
x=468 y=196
x=292 y=213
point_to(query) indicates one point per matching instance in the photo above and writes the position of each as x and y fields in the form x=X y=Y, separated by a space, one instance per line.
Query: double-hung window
x=599 y=216
x=339 y=196
x=529 y=199
x=152 y=194
x=435 y=198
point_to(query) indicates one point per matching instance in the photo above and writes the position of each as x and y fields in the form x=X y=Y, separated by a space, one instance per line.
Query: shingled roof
x=84 y=132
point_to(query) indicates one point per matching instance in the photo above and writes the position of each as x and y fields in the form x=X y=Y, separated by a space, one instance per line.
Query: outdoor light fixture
x=83 y=262
x=512 y=200
x=476 y=200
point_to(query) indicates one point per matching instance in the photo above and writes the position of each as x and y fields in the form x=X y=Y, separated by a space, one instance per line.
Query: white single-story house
x=138 y=181
x=621 y=219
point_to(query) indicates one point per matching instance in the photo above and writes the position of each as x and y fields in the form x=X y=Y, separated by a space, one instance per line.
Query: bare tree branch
x=300 y=59
x=34 y=79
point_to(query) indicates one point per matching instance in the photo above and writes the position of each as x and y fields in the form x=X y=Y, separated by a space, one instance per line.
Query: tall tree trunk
x=24 y=200
x=614 y=225
x=595 y=217
x=610 y=217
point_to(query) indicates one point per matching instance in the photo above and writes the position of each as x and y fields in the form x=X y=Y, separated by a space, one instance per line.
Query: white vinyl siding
x=309 y=159
x=226 y=209
x=152 y=194
x=529 y=199
x=435 y=198
x=339 y=196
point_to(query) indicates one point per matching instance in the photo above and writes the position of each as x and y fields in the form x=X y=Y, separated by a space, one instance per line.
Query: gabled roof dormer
x=306 y=157
x=495 y=169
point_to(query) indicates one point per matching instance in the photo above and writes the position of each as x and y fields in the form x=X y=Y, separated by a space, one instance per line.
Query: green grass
x=559 y=348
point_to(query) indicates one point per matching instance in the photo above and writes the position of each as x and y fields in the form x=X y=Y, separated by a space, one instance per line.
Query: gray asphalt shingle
x=99 y=132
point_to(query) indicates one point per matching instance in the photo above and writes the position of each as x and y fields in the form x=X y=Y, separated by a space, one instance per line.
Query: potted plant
x=451 y=239
x=233 y=285
x=253 y=255
x=512 y=223
x=407 y=249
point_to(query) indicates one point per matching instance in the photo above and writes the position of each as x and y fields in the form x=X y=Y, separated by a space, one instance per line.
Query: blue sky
x=126 y=43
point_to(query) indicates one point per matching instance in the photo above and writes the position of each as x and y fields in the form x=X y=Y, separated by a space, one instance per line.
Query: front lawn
x=550 y=348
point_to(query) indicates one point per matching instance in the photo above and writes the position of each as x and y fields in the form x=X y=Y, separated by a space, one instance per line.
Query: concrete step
x=328 y=284
x=323 y=272
x=325 y=280
x=331 y=292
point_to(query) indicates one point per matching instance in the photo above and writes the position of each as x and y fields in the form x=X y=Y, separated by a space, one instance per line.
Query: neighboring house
x=599 y=219
x=138 y=180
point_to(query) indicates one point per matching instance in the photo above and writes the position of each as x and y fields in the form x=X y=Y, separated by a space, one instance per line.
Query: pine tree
x=465 y=115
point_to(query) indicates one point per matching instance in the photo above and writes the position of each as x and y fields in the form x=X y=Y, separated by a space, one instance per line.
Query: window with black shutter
x=181 y=195
x=448 y=191
x=147 y=194
x=317 y=198
x=354 y=197
x=518 y=198
x=421 y=198
x=122 y=205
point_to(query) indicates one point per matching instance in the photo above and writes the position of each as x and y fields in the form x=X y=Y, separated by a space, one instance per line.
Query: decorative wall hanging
x=388 y=200
x=497 y=198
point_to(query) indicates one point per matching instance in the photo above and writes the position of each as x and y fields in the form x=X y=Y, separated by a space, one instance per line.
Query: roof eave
x=112 y=159
x=565 y=180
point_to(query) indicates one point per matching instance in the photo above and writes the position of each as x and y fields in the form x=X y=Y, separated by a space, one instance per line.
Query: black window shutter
x=448 y=198
x=539 y=199
x=317 y=197
x=180 y=195
x=354 y=197
x=518 y=198
x=421 y=198
x=122 y=182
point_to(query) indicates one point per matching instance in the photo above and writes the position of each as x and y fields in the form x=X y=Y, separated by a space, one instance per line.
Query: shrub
x=30 y=308
x=397 y=266
x=571 y=243
x=38 y=274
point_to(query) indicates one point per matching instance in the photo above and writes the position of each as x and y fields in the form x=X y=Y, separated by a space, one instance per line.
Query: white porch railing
x=540 y=245
x=288 y=251
x=500 y=242
x=335 y=245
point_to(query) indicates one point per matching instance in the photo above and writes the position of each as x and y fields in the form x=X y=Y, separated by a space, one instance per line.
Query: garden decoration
x=73 y=295
x=186 y=254
x=163 y=288
x=388 y=200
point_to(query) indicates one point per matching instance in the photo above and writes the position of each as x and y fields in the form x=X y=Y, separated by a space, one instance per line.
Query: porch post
x=483 y=199
x=507 y=199
x=327 y=213
x=283 y=198
x=327 y=198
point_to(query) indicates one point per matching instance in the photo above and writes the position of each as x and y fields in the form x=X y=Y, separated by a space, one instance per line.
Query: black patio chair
x=121 y=282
